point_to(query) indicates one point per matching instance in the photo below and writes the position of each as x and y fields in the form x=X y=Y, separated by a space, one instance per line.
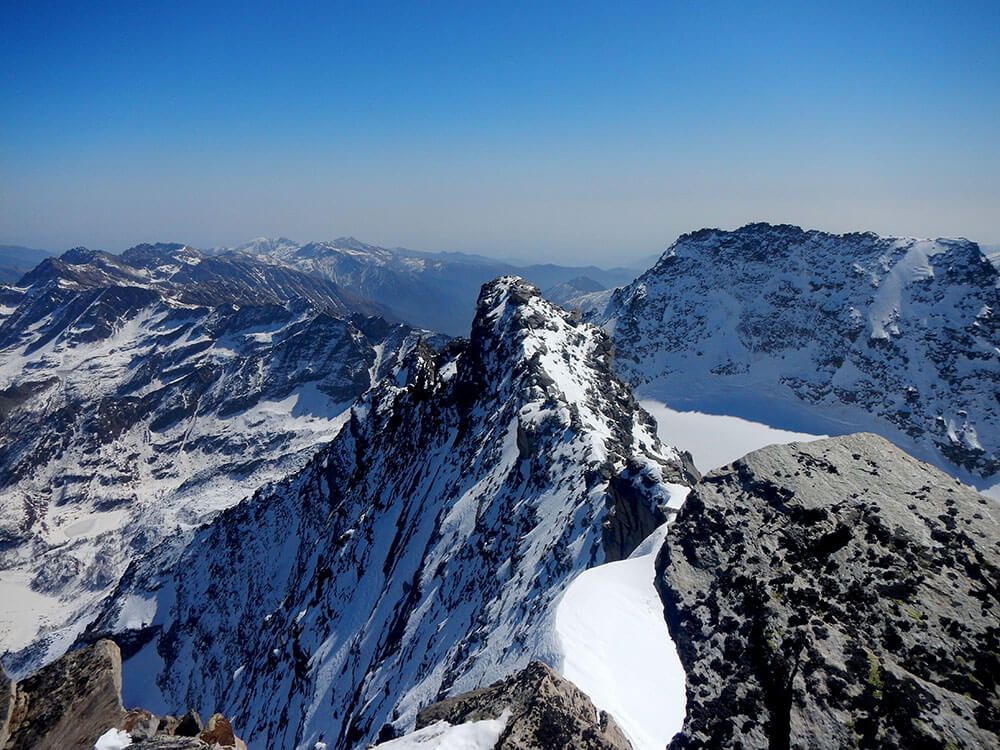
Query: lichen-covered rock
x=543 y=710
x=69 y=703
x=835 y=594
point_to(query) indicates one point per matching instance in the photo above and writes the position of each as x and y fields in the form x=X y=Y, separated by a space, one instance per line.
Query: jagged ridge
x=419 y=555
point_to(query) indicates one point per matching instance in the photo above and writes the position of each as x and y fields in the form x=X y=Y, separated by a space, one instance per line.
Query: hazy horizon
x=590 y=134
x=631 y=261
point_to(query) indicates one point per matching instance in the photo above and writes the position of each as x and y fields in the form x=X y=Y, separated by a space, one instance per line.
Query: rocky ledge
x=533 y=708
x=75 y=703
x=835 y=594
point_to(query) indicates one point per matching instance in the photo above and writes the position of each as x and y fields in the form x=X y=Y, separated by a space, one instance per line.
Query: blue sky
x=561 y=131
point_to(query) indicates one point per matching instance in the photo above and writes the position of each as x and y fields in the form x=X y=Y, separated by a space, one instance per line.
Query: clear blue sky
x=564 y=131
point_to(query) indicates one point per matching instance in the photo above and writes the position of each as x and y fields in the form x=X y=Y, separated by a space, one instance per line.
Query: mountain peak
x=423 y=551
x=352 y=243
x=153 y=254
x=834 y=323
x=268 y=246
x=505 y=290
x=78 y=255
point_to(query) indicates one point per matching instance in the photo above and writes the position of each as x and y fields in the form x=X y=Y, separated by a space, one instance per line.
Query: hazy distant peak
x=271 y=246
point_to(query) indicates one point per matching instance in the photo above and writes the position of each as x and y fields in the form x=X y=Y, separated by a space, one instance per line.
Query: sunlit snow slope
x=715 y=440
x=615 y=645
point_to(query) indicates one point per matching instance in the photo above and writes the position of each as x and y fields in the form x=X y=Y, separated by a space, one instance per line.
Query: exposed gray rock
x=140 y=724
x=76 y=699
x=69 y=703
x=167 y=742
x=546 y=711
x=835 y=594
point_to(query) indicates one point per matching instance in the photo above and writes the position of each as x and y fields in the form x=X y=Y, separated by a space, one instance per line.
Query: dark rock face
x=546 y=712
x=189 y=725
x=835 y=594
x=167 y=742
x=8 y=699
x=68 y=704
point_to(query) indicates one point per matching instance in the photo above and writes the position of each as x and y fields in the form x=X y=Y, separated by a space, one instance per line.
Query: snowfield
x=715 y=440
x=473 y=735
x=616 y=647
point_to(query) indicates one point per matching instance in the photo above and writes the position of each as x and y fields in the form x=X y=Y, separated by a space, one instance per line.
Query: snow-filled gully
x=615 y=645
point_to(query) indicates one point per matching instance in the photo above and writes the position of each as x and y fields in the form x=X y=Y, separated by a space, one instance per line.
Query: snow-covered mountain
x=433 y=290
x=190 y=276
x=129 y=411
x=566 y=292
x=825 y=334
x=424 y=551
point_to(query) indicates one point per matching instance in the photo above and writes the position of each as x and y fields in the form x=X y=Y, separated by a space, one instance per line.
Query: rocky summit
x=539 y=709
x=835 y=594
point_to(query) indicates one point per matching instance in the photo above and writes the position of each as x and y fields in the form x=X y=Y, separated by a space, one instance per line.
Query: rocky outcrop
x=67 y=704
x=835 y=594
x=542 y=710
x=75 y=703
x=8 y=697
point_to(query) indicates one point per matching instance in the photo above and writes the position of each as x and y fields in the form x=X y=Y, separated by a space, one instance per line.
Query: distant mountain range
x=431 y=290
x=141 y=393
x=15 y=261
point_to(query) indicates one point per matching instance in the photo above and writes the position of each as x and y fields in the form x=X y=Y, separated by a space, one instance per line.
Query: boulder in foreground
x=835 y=594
